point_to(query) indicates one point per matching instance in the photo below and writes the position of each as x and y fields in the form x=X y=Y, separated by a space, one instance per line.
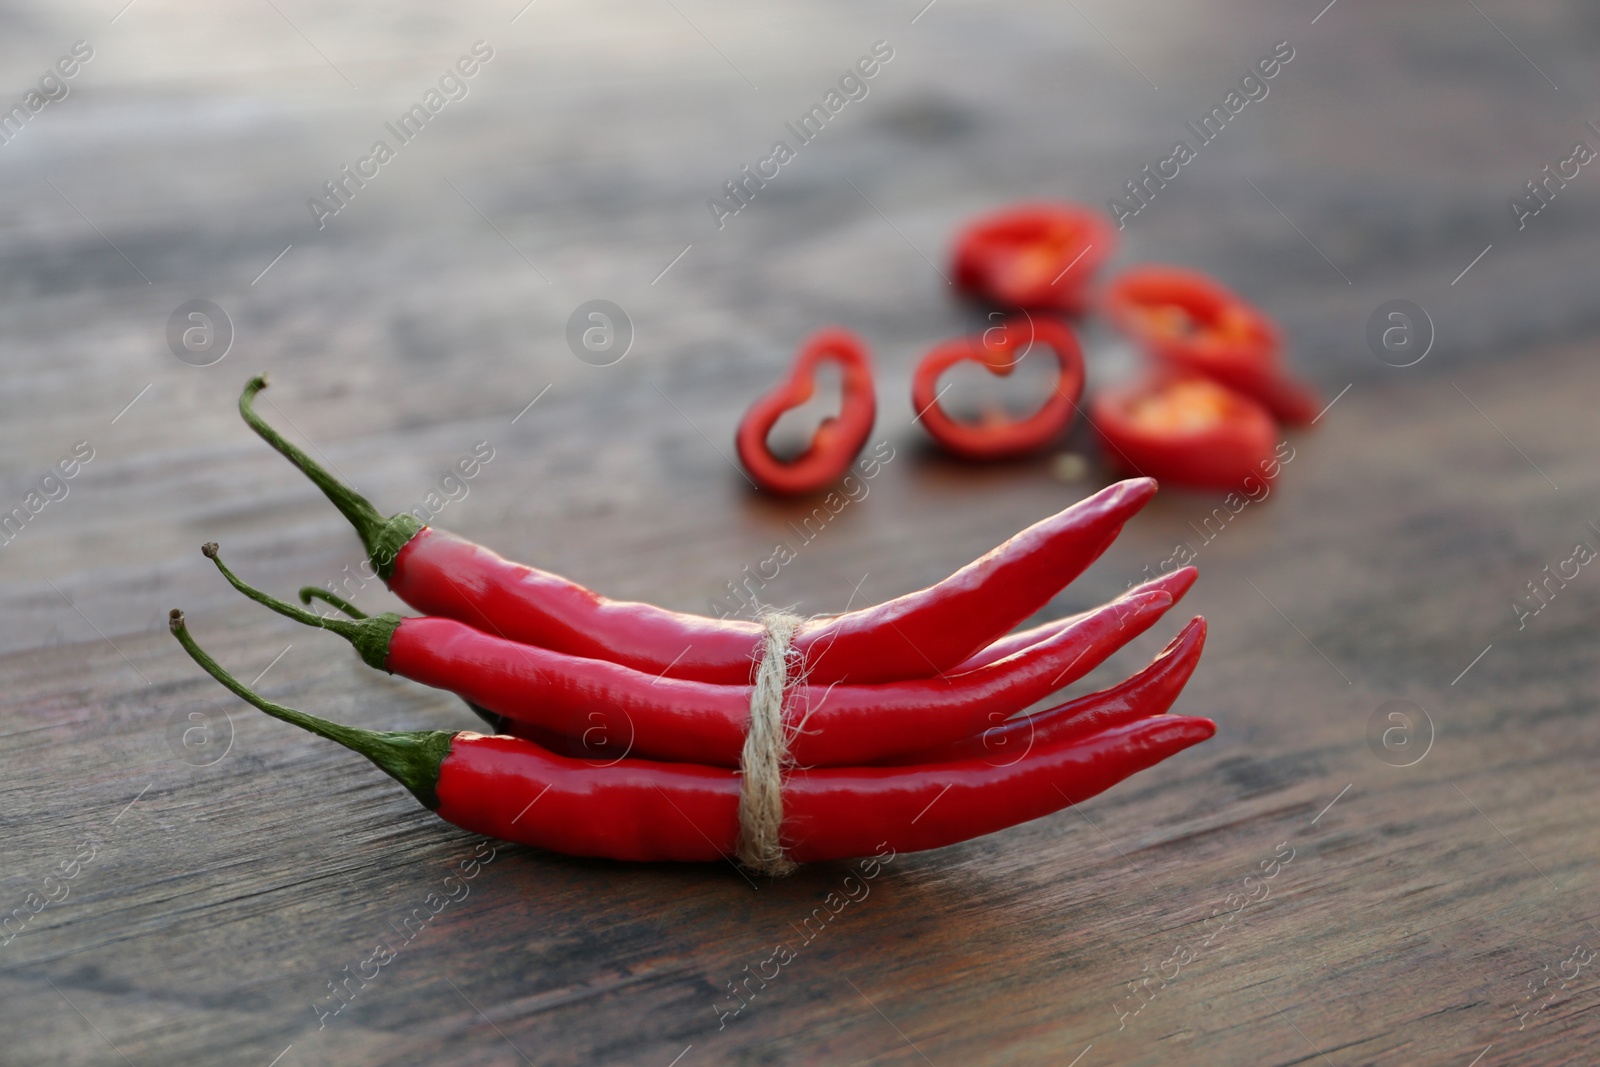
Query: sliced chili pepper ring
x=1034 y=255
x=1194 y=324
x=999 y=350
x=1187 y=430
x=838 y=440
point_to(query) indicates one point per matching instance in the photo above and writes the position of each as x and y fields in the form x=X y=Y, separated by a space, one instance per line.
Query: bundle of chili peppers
x=874 y=715
x=1207 y=417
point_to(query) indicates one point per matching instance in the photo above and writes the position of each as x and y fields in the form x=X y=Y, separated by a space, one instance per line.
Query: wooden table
x=227 y=869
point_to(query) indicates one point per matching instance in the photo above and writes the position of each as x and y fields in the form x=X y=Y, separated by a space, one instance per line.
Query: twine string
x=765 y=758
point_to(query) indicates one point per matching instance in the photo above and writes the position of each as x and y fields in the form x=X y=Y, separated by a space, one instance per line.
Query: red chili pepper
x=509 y=788
x=838 y=440
x=1176 y=583
x=1187 y=430
x=1035 y=255
x=700 y=722
x=1147 y=694
x=912 y=636
x=1194 y=325
x=997 y=436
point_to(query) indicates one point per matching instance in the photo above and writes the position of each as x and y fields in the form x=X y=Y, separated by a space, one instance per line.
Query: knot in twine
x=766 y=752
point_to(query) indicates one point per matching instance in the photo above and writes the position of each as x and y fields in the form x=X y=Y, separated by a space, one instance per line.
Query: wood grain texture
x=232 y=881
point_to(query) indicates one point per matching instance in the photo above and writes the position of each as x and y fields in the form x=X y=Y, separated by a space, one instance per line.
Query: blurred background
x=430 y=316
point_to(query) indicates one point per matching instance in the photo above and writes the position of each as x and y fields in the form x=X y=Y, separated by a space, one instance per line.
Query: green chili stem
x=411 y=758
x=315 y=592
x=370 y=636
x=308 y=593
x=382 y=538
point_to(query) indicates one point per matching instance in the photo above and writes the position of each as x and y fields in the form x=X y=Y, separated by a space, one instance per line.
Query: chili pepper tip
x=209 y=550
x=1143 y=484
